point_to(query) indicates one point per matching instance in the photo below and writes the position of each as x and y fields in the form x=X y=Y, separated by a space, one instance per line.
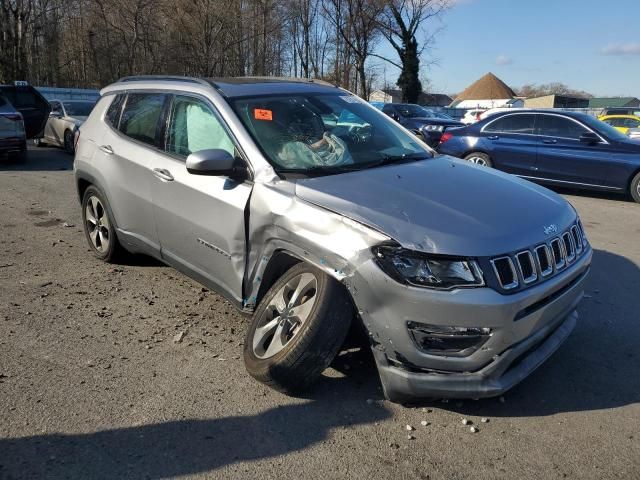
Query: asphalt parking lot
x=93 y=385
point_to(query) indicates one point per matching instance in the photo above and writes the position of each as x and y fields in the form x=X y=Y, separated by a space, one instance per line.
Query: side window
x=114 y=111
x=631 y=123
x=519 y=123
x=141 y=114
x=555 y=126
x=56 y=108
x=194 y=126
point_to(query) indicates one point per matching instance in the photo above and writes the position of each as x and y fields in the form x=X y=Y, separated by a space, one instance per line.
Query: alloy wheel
x=97 y=224
x=283 y=318
x=478 y=161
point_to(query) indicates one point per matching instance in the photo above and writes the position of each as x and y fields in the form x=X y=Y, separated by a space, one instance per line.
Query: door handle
x=107 y=149
x=163 y=174
x=549 y=140
x=493 y=137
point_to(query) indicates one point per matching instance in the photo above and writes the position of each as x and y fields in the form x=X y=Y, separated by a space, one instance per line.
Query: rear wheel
x=99 y=227
x=297 y=329
x=635 y=188
x=68 y=142
x=479 y=158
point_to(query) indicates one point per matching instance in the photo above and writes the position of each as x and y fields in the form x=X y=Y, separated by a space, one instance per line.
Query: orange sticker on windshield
x=260 y=114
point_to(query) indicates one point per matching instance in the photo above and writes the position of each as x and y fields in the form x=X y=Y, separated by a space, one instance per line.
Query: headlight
x=429 y=271
x=433 y=128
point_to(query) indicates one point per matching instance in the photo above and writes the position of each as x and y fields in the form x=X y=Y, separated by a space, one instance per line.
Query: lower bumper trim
x=509 y=369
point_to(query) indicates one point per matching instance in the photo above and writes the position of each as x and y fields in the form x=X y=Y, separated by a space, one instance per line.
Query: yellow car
x=622 y=122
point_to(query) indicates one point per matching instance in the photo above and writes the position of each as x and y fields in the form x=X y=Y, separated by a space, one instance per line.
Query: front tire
x=635 y=188
x=99 y=227
x=479 y=158
x=297 y=329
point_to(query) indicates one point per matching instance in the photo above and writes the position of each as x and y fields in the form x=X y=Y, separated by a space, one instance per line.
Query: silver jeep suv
x=309 y=209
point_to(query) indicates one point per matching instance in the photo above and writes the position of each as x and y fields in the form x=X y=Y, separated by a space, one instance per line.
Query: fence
x=55 y=93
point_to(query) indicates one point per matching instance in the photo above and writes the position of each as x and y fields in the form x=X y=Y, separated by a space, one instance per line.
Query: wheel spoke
x=94 y=237
x=306 y=282
x=302 y=311
x=277 y=342
x=89 y=215
x=262 y=333
x=93 y=201
x=104 y=219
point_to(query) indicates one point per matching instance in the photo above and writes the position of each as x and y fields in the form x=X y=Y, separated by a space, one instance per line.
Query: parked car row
x=64 y=120
x=551 y=147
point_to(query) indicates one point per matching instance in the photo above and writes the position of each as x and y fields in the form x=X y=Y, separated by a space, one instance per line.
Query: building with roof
x=487 y=92
x=388 y=95
x=608 y=102
x=556 y=101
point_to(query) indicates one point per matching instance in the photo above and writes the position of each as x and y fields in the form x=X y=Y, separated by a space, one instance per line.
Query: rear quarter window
x=115 y=109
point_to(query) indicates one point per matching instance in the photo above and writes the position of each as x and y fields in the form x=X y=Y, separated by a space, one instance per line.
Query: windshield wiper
x=407 y=157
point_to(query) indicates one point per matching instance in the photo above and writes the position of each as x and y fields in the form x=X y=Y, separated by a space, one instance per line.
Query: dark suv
x=423 y=122
x=552 y=147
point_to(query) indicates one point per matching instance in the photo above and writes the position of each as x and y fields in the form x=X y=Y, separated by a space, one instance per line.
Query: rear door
x=512 y=142
x=125 y=154
x=31 y=104
x=200 y=219
x=564 y=158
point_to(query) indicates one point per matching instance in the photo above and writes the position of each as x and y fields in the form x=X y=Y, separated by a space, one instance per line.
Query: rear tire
x=635 y=188
x=99 y=227
x=297 y=329
x=68 y=142
x=479 y=158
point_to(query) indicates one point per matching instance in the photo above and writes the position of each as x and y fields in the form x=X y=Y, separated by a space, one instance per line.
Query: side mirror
x=215 y=162
x=589 y=138
x=55 y=114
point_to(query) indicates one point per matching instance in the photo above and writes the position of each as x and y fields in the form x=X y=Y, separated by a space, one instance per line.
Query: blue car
x=551 y=147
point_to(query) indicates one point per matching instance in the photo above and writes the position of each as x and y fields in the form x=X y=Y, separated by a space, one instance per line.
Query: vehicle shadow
x=177 y=448
x=40 y=159
x=597 y=368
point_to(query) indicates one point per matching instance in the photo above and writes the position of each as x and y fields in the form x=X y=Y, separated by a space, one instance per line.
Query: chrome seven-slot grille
x=541 y=261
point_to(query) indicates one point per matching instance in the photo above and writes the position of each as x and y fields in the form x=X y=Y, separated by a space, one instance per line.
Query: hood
x=443 y=205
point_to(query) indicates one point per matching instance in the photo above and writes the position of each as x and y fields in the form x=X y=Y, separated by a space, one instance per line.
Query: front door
x=200 y=219
x=564 y=158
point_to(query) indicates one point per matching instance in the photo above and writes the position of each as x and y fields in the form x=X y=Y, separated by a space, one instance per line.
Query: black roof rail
x=174 y=78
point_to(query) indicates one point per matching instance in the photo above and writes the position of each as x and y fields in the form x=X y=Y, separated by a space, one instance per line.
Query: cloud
x=621 y=49
x=503 y=60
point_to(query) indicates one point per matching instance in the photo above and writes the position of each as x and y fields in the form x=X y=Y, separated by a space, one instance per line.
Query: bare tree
x=403 y=22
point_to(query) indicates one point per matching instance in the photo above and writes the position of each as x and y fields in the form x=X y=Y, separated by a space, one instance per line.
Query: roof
x=604 y=102
x=489 y=87
x=231 y=86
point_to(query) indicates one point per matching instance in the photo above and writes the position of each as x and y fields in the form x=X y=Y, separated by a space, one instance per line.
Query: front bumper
x=527 y=327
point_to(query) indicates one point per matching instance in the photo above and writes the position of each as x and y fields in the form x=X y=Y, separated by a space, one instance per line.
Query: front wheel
x=297 y=329
x=479 y=158
x=635 y=188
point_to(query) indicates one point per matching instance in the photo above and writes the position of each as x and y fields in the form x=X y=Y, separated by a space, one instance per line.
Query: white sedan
x=65 y=118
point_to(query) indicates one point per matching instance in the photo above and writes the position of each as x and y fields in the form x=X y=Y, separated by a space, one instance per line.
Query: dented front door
x=200 y=219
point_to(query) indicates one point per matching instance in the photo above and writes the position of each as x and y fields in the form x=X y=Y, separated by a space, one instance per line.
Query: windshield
x=325 y=133
x=605 y=128
x=78 y=109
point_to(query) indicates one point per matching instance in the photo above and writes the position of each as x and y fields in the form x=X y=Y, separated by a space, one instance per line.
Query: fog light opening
x=448 y=341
